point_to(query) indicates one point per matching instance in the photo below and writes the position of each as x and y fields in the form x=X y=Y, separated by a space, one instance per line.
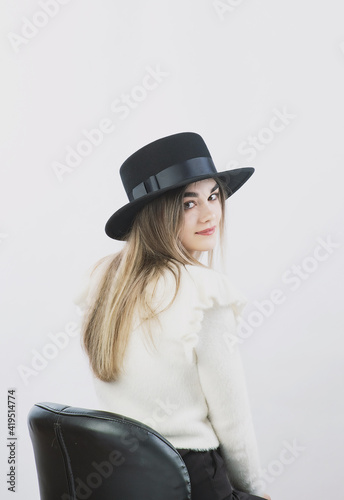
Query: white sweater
x=191 y=388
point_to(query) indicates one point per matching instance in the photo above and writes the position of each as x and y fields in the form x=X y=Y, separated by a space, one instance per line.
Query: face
x=202 y=214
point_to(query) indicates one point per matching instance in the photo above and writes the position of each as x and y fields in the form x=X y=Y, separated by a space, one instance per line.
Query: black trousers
x=208 y=475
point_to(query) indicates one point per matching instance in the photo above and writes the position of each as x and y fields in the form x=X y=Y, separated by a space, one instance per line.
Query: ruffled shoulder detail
x=200 y=289
x=215 y=288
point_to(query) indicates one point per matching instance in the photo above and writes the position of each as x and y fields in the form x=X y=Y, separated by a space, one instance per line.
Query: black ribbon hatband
x=173 y=175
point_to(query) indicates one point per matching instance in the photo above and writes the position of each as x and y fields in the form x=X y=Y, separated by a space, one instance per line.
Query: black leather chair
x=89 y=454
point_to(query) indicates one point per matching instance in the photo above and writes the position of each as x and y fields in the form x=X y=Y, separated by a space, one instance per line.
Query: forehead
x=204 y=184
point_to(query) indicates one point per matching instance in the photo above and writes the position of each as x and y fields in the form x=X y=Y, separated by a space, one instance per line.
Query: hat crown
x=157 y=156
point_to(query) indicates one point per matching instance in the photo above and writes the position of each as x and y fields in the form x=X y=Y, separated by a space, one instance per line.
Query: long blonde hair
x=152 y=247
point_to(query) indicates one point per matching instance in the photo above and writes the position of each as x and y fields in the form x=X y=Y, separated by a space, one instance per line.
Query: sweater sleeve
x=223 y=383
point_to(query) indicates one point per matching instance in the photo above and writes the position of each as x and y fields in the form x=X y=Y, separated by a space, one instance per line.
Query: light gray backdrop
x=84 y=84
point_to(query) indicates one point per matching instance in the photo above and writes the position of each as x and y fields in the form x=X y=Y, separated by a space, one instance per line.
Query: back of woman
x=160 y=326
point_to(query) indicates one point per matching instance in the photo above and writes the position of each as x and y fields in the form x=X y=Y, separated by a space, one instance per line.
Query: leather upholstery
x=97 y=455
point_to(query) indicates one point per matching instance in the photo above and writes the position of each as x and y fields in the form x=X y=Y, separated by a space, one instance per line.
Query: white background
x=224 y=71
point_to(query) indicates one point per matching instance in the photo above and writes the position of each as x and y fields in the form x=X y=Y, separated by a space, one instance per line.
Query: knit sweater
x=191 y=386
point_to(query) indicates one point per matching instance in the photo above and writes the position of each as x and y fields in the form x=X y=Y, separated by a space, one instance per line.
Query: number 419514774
x=11 y=406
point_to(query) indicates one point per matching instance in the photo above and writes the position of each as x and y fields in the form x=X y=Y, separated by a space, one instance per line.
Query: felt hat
x=167 y=163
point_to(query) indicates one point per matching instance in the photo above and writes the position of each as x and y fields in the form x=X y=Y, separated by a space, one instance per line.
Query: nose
x=207 y=213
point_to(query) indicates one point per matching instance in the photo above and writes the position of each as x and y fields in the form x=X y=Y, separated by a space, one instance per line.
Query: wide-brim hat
x=167 y=163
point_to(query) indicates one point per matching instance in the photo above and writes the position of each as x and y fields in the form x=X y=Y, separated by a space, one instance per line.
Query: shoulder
x=204 y=298
x=214 y=288
x=201 y=288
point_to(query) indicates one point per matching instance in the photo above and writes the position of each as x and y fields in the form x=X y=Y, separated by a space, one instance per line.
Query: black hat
x=162 y=165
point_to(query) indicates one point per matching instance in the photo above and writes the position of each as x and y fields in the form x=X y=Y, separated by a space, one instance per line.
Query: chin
x=206 y=248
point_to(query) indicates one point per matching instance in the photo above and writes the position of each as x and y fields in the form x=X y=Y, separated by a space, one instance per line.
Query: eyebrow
x=195 y=195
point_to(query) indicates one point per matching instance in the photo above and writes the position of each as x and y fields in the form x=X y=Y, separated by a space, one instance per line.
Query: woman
x=160 y=325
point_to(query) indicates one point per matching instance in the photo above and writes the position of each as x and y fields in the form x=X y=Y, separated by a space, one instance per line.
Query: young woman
x=160 y=326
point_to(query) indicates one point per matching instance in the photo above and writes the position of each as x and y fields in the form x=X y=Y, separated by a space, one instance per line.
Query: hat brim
x=119 y=224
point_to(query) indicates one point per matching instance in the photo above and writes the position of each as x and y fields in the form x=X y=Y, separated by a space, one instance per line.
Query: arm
x=223 y=383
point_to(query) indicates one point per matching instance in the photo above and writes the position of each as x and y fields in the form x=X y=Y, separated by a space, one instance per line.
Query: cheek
x=184 y=225
x=187 y=225
x=188 y=218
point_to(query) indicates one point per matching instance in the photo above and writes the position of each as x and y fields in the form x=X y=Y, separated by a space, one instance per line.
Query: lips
x=207 y=232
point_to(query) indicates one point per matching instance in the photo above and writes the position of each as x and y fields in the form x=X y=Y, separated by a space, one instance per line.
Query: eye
x=214 y=196
x=188 y=205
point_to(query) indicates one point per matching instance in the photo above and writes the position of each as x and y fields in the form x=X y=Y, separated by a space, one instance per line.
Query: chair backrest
x=90 y=454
